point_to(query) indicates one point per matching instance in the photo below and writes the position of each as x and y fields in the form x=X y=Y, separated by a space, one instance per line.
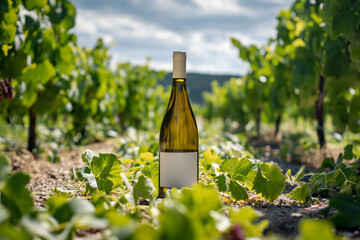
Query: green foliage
x=238 y=169
x=246 y=217
x=106 y=169
x=138 y=100
x=301 y=193
x=311 y=229
x=32 y=4
x=348 y=152
x=5 y=167
x=222 y=182
x=75 y=86
x=130 y=210
x=336 y=177
x=315 y=40
x=298 y=176
x=237 y=191
x=14 y=195
x=100 y=171
x=198 y=210
x=68 y=84
x=269 y=182
x=143 y=188
x=348 y=214
x=262 y=178
x=36 y=74
x=152 y=171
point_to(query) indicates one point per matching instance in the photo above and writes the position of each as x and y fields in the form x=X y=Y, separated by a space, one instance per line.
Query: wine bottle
x=178 y=158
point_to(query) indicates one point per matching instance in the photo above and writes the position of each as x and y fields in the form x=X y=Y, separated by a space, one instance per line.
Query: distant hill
x=198 y=83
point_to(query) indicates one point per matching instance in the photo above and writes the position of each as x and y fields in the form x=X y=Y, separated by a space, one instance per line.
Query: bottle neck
x=179 y=95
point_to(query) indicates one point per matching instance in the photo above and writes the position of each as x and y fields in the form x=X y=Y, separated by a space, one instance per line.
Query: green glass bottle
x=179 y=142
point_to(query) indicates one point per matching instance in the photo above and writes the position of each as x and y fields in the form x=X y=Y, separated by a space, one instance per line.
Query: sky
x=137 y=29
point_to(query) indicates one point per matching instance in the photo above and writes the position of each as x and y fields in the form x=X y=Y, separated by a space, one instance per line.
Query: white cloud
x=157 y=27
x=224 y=7
x=282 y=2
x=121 y=26
x=199 y=8
x=84 y=26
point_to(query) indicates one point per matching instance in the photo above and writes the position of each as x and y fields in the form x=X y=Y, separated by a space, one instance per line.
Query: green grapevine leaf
x=174 y=229
x=31 y=21
x=221 y=182
x=337 y=62
x=328 y=163
x=87 y=156
x=15 y=197
x=146 y=232
x=348 y=152
x=210 y=157
x=152 y=171
x=8 y=27
x=34 y=225
x=48 y=101
x=125 y=180
x=237 y=191
x=15 y=64
x=105 y=185
x=239 y=169
x=78 y=207
x=143 y=149
x=321 y=182
x=84 y=174
x=4 y=5
x=202 y=199
x=66 y=18
x=355 y=51
x=65 y=60
x=147 y=156
x=314 y=229
x=107 y=166
x=245 y=217
x=117 y=218
x=349 y=210
x=101 y=171
x=300 y=193
x=235 y=42
x=32 y=4
x=269 y=182
x=354 y=115
x=143 y=188
x=38 y=73
x=8 y=231
x=106 y=169
x=343 y=23
x=289 y=178
x=54 y=202
x=199 y=201
x=29 y=96
x=5 y=167
x=300 y=174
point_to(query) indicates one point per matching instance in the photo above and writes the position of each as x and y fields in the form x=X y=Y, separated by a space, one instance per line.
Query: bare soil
x=46 y=176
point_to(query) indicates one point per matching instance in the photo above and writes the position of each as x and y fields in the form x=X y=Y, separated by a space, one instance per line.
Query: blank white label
x=178 y=169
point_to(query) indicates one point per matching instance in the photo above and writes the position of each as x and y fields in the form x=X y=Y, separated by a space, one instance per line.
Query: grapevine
x=6 y=90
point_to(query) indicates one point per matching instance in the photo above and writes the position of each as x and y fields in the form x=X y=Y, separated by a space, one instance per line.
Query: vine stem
x=80 y=185
x=354 y=5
